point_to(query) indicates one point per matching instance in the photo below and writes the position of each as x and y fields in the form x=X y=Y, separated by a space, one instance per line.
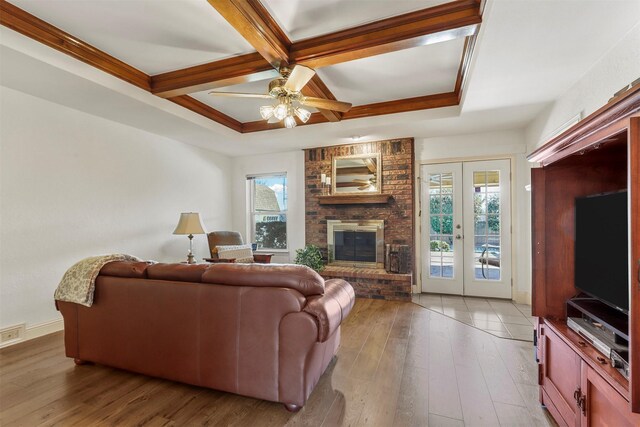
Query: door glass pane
x=434 y=204
x=487 y=228
x=441 y=225
x=447 y=204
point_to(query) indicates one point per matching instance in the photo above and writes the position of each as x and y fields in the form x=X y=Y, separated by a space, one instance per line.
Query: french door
x=466 y=228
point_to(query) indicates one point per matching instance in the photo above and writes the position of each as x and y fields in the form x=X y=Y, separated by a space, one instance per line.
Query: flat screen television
x=601 y=248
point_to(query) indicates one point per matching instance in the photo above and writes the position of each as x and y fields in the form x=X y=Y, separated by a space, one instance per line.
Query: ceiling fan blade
x=241 y=95
x=371 y=165
x=300 y=76
x=327 y=104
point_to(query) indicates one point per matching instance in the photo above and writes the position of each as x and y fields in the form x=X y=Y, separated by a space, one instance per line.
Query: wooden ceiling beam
x=225 y=72
x=254 y=23
x=23 y=22
x=318 y=89
x=448 y=21
x=440 y=100
x=465 y=61
x=206 y=111
x=257 y=26
x=26 y=24
x=174 y=85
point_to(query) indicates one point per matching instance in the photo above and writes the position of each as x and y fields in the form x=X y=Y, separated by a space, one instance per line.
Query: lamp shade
x=189 y=224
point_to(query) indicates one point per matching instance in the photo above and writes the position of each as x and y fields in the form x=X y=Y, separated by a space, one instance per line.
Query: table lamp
x=190 y=224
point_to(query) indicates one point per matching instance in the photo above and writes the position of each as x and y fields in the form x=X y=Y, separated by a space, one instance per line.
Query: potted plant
x=311 y=257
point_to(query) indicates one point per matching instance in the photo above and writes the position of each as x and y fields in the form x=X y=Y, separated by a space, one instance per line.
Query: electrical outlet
x=11 y=333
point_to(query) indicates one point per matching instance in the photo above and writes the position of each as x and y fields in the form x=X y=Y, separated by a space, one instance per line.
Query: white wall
x=509 y=144
x=75 y=185
x=291 y=162
x=617 y=68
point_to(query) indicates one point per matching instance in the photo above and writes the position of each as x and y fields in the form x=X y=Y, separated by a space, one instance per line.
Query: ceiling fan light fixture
x=302 y=114
x=266 y=111
x=280 y=112
x=290 y=122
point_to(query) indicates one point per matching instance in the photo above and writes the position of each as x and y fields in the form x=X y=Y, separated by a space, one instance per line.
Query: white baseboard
x=36 y=331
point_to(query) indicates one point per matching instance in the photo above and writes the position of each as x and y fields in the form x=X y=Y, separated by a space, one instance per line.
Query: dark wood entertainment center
x=599 y=154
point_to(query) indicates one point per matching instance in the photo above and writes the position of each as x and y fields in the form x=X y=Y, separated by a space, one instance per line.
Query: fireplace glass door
x=466 y=229
x=358 y=246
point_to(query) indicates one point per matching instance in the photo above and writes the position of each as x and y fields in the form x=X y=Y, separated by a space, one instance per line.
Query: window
x=268 y=210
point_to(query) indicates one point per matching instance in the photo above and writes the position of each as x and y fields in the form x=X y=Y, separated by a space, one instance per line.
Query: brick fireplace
x=369 y=280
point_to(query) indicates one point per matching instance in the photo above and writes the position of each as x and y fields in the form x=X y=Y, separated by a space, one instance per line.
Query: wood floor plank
x=381 y=405
x=398 y=365
x=367 y=361
x=475 y=400
x=444 y=398
x=412 y=408
x=418 y=347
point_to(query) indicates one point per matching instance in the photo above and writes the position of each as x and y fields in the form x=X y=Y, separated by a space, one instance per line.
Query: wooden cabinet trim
x=634 y=203
x=625 y=105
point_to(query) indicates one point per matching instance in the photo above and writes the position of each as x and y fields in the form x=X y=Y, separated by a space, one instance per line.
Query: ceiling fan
x=286 y=91
x=366 y=184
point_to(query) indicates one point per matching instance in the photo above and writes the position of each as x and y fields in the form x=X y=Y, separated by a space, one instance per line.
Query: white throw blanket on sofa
x=78 y=283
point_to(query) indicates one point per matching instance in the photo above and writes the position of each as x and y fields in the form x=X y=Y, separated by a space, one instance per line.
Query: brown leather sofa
x=264 y=331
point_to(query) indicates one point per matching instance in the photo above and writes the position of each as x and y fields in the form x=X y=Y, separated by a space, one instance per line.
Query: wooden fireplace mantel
x=354 y=199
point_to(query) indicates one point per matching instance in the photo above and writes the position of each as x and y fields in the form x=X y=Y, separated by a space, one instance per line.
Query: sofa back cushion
x=177 y=272
x=133 y=269
x=298 y=277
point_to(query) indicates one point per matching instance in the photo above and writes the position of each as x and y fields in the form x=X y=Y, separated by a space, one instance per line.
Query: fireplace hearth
x=357 y=243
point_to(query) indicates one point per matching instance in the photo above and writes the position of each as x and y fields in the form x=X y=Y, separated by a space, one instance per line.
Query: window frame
x=251 y=182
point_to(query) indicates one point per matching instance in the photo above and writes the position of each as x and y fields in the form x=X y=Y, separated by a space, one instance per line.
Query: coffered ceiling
x=528 y=54
x=382 y=56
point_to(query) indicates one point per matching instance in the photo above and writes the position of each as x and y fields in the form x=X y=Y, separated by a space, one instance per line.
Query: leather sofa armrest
x=332 y=308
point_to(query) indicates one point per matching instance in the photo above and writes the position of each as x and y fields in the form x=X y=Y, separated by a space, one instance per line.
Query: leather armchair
x=217 y=238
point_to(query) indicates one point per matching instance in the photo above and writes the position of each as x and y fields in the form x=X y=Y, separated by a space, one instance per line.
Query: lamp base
x=191 y=259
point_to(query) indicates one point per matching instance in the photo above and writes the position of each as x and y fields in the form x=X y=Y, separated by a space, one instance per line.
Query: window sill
x=271 y=251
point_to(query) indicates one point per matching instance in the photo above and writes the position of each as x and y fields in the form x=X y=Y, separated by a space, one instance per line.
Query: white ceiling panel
x=153 y=36
x=534 y=51
x=419 y=71
x=302 y=19
x=243 y=109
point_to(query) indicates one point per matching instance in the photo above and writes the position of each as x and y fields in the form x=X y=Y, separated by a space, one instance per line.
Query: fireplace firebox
x=357 y=243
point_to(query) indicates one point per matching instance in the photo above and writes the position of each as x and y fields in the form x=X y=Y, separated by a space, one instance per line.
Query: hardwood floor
x=399 y=365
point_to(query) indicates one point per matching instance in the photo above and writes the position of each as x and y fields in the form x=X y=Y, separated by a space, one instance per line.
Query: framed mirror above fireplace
x=356 y=174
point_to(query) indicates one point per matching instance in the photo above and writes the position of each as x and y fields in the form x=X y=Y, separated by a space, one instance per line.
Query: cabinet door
x=560 y=376
x=603 y=405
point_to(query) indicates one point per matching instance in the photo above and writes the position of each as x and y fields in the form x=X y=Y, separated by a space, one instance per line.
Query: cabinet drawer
x=560 y=375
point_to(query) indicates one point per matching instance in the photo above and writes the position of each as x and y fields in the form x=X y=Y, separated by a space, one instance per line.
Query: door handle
x=484 y=251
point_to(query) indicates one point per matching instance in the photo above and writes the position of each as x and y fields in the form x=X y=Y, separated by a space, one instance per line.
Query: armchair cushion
x=241 y=253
